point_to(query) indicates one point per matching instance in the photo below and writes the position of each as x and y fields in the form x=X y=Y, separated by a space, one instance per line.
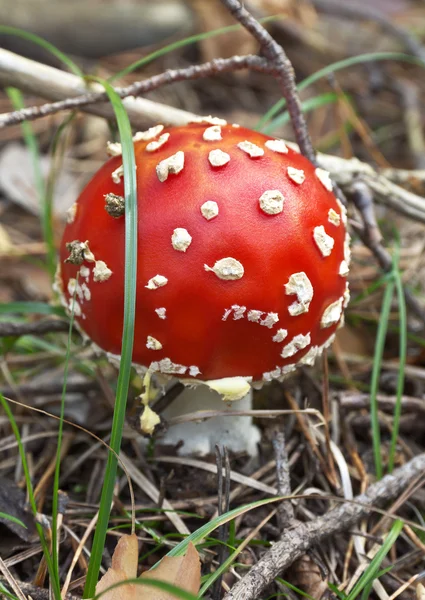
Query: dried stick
x=34 y=328
x=296 y=541
x=8 y=76
x=284 y=74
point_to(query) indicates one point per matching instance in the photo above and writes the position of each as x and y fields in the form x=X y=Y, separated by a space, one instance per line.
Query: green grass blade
x=35 y=39
x=371 y=572
x=376 y=371
x=130 y=192
x=54 y=581
x=142 y=62
x=307 y=106
x=7 y=594
x=55 y=496
x=333 y=68
x=12 y=519
x=402 y=365
x=31 y=308
x=31 y=143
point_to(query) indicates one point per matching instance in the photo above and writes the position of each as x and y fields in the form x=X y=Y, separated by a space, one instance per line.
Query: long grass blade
x=333 y=68
x=31 y=143
x=30 y=490
x=402 y=364
x=35 y=39
x=376 y=371
x=130 y=192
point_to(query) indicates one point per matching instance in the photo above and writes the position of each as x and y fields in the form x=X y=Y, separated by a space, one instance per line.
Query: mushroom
x=242 y=267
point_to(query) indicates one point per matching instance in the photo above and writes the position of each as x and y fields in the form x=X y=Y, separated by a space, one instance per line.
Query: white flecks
x=251 y=149
x=235 y=125
x=113 y=149
x=324 y=242
x=324 y=178
x=280 y=335
x=300 y=285
x=171 y=165
x=194 y=371
x=161 y=312
x=117 y=174
x=149 y=134
x=277 y=146
x=331 y=314
x=84 y=272
x=227 y=269
x=343 y=269
x=209 y=209
x=212 y=134
x=181 y=239
x=72 y=286
x=71 y=213
x=299 y=342
x=218 y=158
x=347 y=249
x=297 y=175
x=346 y=295
x=210 y=120
x=156 y=144
x=88 y=254
x=227 y=312
x=156 y=282
x=270 y=375
x=74 y=305
x=343 y=211
x=168 y=367
x=271 y=202
x=334 y=217
x=255 y=315
x=270 y=320
x=238 y=312
x=86 y=291
x=101 y=271
x=328 y=342
x=153 y=344
x=310 y=357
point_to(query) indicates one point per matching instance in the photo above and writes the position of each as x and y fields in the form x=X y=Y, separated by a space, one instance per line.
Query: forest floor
x=372 y=110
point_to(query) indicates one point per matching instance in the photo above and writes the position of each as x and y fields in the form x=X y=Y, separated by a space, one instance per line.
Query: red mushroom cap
x=243 y=254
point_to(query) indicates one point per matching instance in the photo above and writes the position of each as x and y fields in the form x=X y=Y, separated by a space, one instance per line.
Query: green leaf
x=130 y=192
x=32 y=37
x=12 y=519
x=29 y=308
x=333 y=68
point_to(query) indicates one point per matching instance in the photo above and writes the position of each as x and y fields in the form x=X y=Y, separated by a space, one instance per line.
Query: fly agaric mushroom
x=242 y=266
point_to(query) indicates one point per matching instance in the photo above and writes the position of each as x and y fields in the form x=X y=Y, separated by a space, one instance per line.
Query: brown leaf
x=181 y=571
x=306 y=575
x=124 y=566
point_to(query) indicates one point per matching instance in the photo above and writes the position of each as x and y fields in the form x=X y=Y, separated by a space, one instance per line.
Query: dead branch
x=296 y=541
x=32 y=328
x=10 y=76
x=284 y=74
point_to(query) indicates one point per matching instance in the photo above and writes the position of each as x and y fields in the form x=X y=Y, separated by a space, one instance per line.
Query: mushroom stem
x=238 y=433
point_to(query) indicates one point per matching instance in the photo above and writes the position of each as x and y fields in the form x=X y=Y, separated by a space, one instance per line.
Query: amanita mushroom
x=242 y=266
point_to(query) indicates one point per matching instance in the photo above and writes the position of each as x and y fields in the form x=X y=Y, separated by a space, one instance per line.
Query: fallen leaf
x=12 y=503
x=181 y=571
x=306 y=575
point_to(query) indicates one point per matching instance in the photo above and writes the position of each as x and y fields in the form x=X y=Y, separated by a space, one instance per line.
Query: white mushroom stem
x=199 y=438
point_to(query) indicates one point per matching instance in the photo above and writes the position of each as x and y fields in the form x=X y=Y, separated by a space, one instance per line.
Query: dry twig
x=297 y=540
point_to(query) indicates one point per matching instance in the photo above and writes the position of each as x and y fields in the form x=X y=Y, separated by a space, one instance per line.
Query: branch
x=52 y=83
x=32 y=328
x=284 y=74
x=296 y=541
